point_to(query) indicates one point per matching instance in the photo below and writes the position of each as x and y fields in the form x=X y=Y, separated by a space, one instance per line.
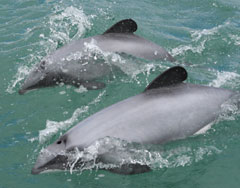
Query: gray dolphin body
x=72 y=64
x=167 y=110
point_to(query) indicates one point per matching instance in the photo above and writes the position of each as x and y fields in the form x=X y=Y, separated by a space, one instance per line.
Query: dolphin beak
x=44 y=158
x=36 y=171
x=33 y=81
x=51 y=158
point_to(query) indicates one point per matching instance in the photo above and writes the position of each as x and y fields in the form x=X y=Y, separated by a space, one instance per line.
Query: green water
x=205 y=34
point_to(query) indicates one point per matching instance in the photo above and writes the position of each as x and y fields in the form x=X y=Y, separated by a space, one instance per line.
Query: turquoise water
x=204 y=34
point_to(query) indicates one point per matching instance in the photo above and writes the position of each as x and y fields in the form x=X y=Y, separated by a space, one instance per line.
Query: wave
x=199 y=38
x=225 y=78
x=53 y=127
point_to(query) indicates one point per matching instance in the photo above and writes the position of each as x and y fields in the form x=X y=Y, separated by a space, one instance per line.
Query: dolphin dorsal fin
x=173 y=75
x=123 y=26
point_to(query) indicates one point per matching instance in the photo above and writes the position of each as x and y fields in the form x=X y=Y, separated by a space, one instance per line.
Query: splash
x=66 y=24
x=230 y=110
x=184 y=48
x=109 y=58
x=116 y=153
x=226 y=78
x=128 y=64
x=21 y=73
x=53 y=127
x=81 y=89
x=236 y=39
x=199 y=40
x=199 y=34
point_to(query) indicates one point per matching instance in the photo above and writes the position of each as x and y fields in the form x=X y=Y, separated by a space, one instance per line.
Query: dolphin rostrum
x=72 y=63
x=167 y=110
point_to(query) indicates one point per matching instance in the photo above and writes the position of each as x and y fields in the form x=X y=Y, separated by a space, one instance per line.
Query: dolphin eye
x=42 y=65
x=59 y=142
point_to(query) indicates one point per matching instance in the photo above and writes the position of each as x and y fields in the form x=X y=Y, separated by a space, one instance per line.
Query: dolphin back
x=165 y=111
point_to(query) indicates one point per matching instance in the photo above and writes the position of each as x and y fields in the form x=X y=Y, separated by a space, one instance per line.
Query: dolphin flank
x=59 y=68
x=167 y=110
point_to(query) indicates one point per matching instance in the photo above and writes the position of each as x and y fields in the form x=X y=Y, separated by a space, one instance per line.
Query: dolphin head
x=52 y=157
x=41 y=76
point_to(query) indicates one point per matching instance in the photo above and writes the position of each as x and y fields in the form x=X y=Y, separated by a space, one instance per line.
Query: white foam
x=98 y=98
x=81 y=89
x=225 y=77
x=129 y=66
x=184 y=48
x=120 y=152
x=64 y=21
x=230 y=109
x=21 y=73
x=198 y=34
x=199 y=39
x=53 y=127
x=205 y=151
x=236 y=39
x=101 y=175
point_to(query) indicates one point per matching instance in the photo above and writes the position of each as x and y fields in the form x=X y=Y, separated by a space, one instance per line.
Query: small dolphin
x=62 y=66
x=167 y=110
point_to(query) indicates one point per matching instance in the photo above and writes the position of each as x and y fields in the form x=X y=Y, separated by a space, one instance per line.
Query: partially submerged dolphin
x=71 y=64
x=167 y=110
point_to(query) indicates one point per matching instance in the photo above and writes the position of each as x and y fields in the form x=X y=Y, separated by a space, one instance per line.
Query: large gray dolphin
x=71 y=64
x=167 y=110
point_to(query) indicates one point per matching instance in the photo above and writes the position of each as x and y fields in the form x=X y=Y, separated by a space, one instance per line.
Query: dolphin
x=73 y=64
x=167 y=110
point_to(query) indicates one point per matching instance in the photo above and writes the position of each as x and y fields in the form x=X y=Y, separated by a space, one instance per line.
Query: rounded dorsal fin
x=123 y=26
x=173 y=75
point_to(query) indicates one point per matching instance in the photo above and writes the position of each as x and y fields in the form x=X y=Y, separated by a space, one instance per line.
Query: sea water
x=204 y=36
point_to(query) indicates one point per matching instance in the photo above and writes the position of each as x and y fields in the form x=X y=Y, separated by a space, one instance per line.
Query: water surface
x=204 y=34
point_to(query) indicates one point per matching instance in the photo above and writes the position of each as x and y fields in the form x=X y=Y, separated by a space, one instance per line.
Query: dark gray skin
x=167 y=110
x=58 y=68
